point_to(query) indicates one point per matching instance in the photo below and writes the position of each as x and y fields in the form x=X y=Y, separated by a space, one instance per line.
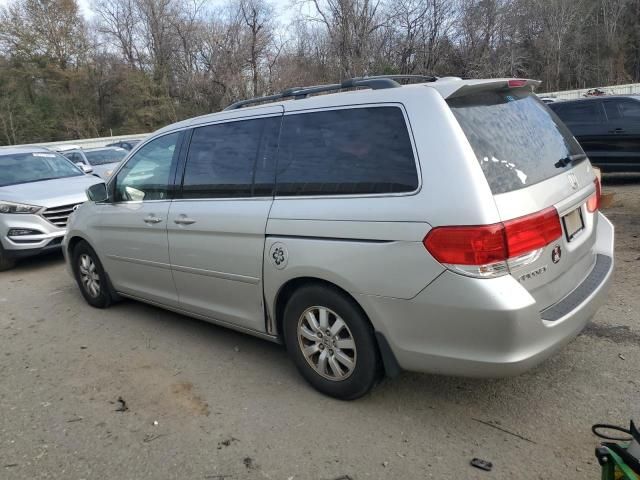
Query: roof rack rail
x=376 y=82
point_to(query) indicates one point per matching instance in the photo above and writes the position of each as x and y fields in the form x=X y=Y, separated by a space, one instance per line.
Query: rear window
x=518 y=141
x=345 y=152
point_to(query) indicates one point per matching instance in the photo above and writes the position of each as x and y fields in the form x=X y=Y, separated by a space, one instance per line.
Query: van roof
x=378 y=88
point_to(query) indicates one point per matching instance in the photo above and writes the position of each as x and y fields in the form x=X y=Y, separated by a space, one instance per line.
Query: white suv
x=449 y=226
x=38 y=191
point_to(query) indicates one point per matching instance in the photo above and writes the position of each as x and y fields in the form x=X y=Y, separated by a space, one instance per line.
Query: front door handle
x=152 y=219
x=617 y=130
x=184 y=220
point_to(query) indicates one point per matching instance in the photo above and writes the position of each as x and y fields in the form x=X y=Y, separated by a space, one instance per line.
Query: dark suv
x=608 y=128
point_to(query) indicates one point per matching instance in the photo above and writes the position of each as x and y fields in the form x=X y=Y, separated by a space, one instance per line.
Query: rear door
x=217 y=226
x=587 y=122
x=526 y=155
x=624 y=127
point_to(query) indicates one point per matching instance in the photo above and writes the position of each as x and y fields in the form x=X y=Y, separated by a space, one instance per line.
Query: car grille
x=59 y=215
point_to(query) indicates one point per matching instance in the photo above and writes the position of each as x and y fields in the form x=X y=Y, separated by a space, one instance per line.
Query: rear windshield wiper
x=563 y=162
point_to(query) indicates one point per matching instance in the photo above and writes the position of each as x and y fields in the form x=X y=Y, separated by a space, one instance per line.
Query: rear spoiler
x=451 y=88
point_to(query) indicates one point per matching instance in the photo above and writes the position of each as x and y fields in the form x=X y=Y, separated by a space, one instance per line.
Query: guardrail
x=627 y=89
x=84 y=142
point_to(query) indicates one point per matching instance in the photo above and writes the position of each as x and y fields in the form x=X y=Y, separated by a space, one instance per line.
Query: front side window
x=630 y=109
x=348 y=151
x=233 y=159
x=75 y=157
x=35 y=167
x=147 y=175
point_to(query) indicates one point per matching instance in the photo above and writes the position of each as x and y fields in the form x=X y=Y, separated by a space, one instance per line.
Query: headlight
x=9 y=207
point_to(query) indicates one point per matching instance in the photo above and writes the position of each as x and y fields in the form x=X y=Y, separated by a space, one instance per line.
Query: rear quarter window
x=347 y=151
x=585 y=112
x=517 y=140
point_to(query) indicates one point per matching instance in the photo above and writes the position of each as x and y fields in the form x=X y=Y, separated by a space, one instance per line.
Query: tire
x=351 y=364
x=6 y=263
x=91 y=277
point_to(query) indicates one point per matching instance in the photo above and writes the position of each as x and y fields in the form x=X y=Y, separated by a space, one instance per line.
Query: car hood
x=50 y=193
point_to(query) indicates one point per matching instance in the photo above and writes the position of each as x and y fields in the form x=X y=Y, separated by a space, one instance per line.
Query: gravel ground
x=205 y=402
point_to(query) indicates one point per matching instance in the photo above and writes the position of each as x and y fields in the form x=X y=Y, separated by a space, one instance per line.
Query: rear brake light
x=531 y=232
x=593 y=202
x=489 y=249
x=515 y=83
x=478 y=245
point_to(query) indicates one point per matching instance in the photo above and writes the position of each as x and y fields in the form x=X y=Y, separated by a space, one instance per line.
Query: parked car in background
x=126 y=144
x=607 y=127
x=38 y=191
x=102 y=160
x=450 y=226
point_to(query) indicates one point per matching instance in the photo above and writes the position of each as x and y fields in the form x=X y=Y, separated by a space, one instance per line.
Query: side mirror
x=85 y=168
x=98 y=192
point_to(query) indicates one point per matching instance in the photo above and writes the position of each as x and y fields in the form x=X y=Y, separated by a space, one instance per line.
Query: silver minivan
x=448 y=226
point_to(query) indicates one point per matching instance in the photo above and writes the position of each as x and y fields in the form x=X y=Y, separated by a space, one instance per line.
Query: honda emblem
x=573 y=180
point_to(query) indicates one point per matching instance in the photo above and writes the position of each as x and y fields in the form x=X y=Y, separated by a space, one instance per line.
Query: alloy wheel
x=326 y=343
x=89 y=275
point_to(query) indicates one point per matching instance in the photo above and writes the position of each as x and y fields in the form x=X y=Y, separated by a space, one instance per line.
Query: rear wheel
x=331 y=342
x=6 y=263
x=90 y=276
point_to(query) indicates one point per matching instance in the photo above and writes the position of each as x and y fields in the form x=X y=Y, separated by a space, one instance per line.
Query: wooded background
x=141 y=64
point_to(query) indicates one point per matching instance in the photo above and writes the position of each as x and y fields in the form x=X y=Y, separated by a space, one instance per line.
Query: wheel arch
x=73 y=240
x=285 y=292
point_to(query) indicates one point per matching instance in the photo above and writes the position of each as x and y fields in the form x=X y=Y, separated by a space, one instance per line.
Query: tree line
x=136 y=65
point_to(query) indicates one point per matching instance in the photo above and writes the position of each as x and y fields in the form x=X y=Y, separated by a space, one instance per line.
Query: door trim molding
x=139 y=261
x=212 y=273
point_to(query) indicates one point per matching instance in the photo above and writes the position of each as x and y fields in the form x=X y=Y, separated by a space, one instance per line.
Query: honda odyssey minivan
x=448 y=226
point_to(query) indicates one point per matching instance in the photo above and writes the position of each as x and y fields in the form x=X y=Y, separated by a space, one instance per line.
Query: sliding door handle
x=184 y=220
x=152 y=219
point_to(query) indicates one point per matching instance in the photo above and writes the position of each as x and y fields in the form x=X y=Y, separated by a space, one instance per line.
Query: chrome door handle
x=184 y=220
x=152 y=219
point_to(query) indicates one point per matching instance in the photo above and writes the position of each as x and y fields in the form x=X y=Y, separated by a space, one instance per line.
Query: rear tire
x=331 y=342
x=90 y=276
x=6 y=263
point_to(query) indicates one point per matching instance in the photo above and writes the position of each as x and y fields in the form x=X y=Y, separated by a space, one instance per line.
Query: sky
x=284 y=9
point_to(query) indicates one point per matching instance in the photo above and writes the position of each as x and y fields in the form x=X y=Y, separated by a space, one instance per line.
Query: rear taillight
x=532 y=232
x=489 y=250
x=467 y=245
x=593 y=202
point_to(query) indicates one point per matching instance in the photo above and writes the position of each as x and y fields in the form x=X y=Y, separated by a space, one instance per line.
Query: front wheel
x=331 y=342
x=6 y=263
x=90 y=276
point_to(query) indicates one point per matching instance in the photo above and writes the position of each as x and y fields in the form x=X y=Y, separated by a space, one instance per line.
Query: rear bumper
x=487 y=327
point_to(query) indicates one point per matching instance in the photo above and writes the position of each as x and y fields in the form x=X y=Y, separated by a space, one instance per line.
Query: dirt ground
x=203 y=402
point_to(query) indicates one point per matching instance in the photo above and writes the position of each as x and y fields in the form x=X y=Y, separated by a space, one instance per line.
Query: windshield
x=102 y=157
x=518 y=141
x=34 y=167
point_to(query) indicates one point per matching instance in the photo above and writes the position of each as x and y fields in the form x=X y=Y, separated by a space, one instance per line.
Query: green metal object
x=613 y=467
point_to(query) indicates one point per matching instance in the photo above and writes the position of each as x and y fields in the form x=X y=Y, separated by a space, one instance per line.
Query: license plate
x=573 y=223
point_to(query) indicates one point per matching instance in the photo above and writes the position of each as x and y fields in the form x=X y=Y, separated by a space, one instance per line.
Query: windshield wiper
x=563 y=162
